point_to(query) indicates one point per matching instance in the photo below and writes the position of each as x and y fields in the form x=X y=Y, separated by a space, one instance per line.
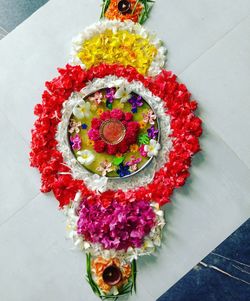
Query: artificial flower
x=99 y=111
x=123 y=171
x=152 y=148
x=134 y=148
x=105 y=167
x=110 y=94
x=123 y=93
x=85 y=157
x=149 y=117
x=90 y=142
x=153 y=132
x=82 y=110
x=133 y=163
x=142 y=124
x=74 y=127
x=76 y=142
x=136 y=101
x=84 y=126
x=96 y=98
x=142 y=150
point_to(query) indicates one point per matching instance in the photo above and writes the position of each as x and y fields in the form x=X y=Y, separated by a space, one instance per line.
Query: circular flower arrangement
x=115 y=135
x=121 y=140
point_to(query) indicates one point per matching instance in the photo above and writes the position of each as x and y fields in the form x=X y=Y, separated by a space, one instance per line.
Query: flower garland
x=125 y=43
x=56 y=176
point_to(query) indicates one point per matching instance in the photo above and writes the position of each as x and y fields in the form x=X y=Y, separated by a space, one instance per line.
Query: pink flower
x=97 y=98
x=149 y=117
x=94 y=134
x=76 y=142
x=142 y=150
x=116 y=225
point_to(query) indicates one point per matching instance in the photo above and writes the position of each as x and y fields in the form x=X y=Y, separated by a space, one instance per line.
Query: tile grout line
x=220 y=137
x=18 y=211
x=214 y=44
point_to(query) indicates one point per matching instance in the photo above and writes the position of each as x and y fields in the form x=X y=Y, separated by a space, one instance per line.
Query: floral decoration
x=132 y=129
x=106 y=47
x=98 y=267
x=133 y=13
x=186 y=129
x=140 y=48
x=124 y=226
x=115 y=135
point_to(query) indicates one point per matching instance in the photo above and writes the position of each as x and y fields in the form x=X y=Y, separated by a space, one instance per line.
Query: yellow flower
x=134 y=148
x=100 y=111
x=93 y=107
x=90 y=143
x=121 y=47
x=142 y=125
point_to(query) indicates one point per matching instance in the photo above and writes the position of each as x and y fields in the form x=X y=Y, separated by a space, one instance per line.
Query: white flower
x=82 y=110
x=153 y=148
x=97 y=183
x=123 y=93
x=85 y=157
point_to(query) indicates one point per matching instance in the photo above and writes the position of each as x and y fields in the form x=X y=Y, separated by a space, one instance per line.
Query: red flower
x=117 y=114
x=186 y=129
x=99 y=146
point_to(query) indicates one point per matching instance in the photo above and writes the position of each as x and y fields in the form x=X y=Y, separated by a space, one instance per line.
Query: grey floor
x=14 y=12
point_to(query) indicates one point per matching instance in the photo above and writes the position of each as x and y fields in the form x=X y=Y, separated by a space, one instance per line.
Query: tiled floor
x=14 y=12
x=209 y=49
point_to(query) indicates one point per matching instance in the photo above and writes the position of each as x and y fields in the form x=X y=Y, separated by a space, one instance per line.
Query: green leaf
x=143 y=139
x=118 y=161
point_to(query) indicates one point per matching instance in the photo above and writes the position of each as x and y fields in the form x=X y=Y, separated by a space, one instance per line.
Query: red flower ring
x=186 y=129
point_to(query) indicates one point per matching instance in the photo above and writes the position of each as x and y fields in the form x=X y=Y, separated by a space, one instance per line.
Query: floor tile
x=189 y=28
x=13 y=12
x=226 y=278
x=220 y=80
x=19 y=183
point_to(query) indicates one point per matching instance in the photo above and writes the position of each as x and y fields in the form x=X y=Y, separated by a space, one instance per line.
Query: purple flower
x=153 y=132
x=136 y=101
x=76 y=142
x=117 y=225
x=110 y=94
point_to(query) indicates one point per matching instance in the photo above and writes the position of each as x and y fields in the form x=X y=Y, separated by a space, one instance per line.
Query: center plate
x=114 y=132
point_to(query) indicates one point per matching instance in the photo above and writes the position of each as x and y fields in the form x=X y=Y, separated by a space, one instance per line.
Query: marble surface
x=223 y=275
x=210 y=51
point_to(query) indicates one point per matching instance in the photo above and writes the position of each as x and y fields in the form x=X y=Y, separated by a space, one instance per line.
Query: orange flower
x=100 y=264
x=126 y=271
x=113 y=12
x=134 y=148
x=142 y=124
x=103 y=286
